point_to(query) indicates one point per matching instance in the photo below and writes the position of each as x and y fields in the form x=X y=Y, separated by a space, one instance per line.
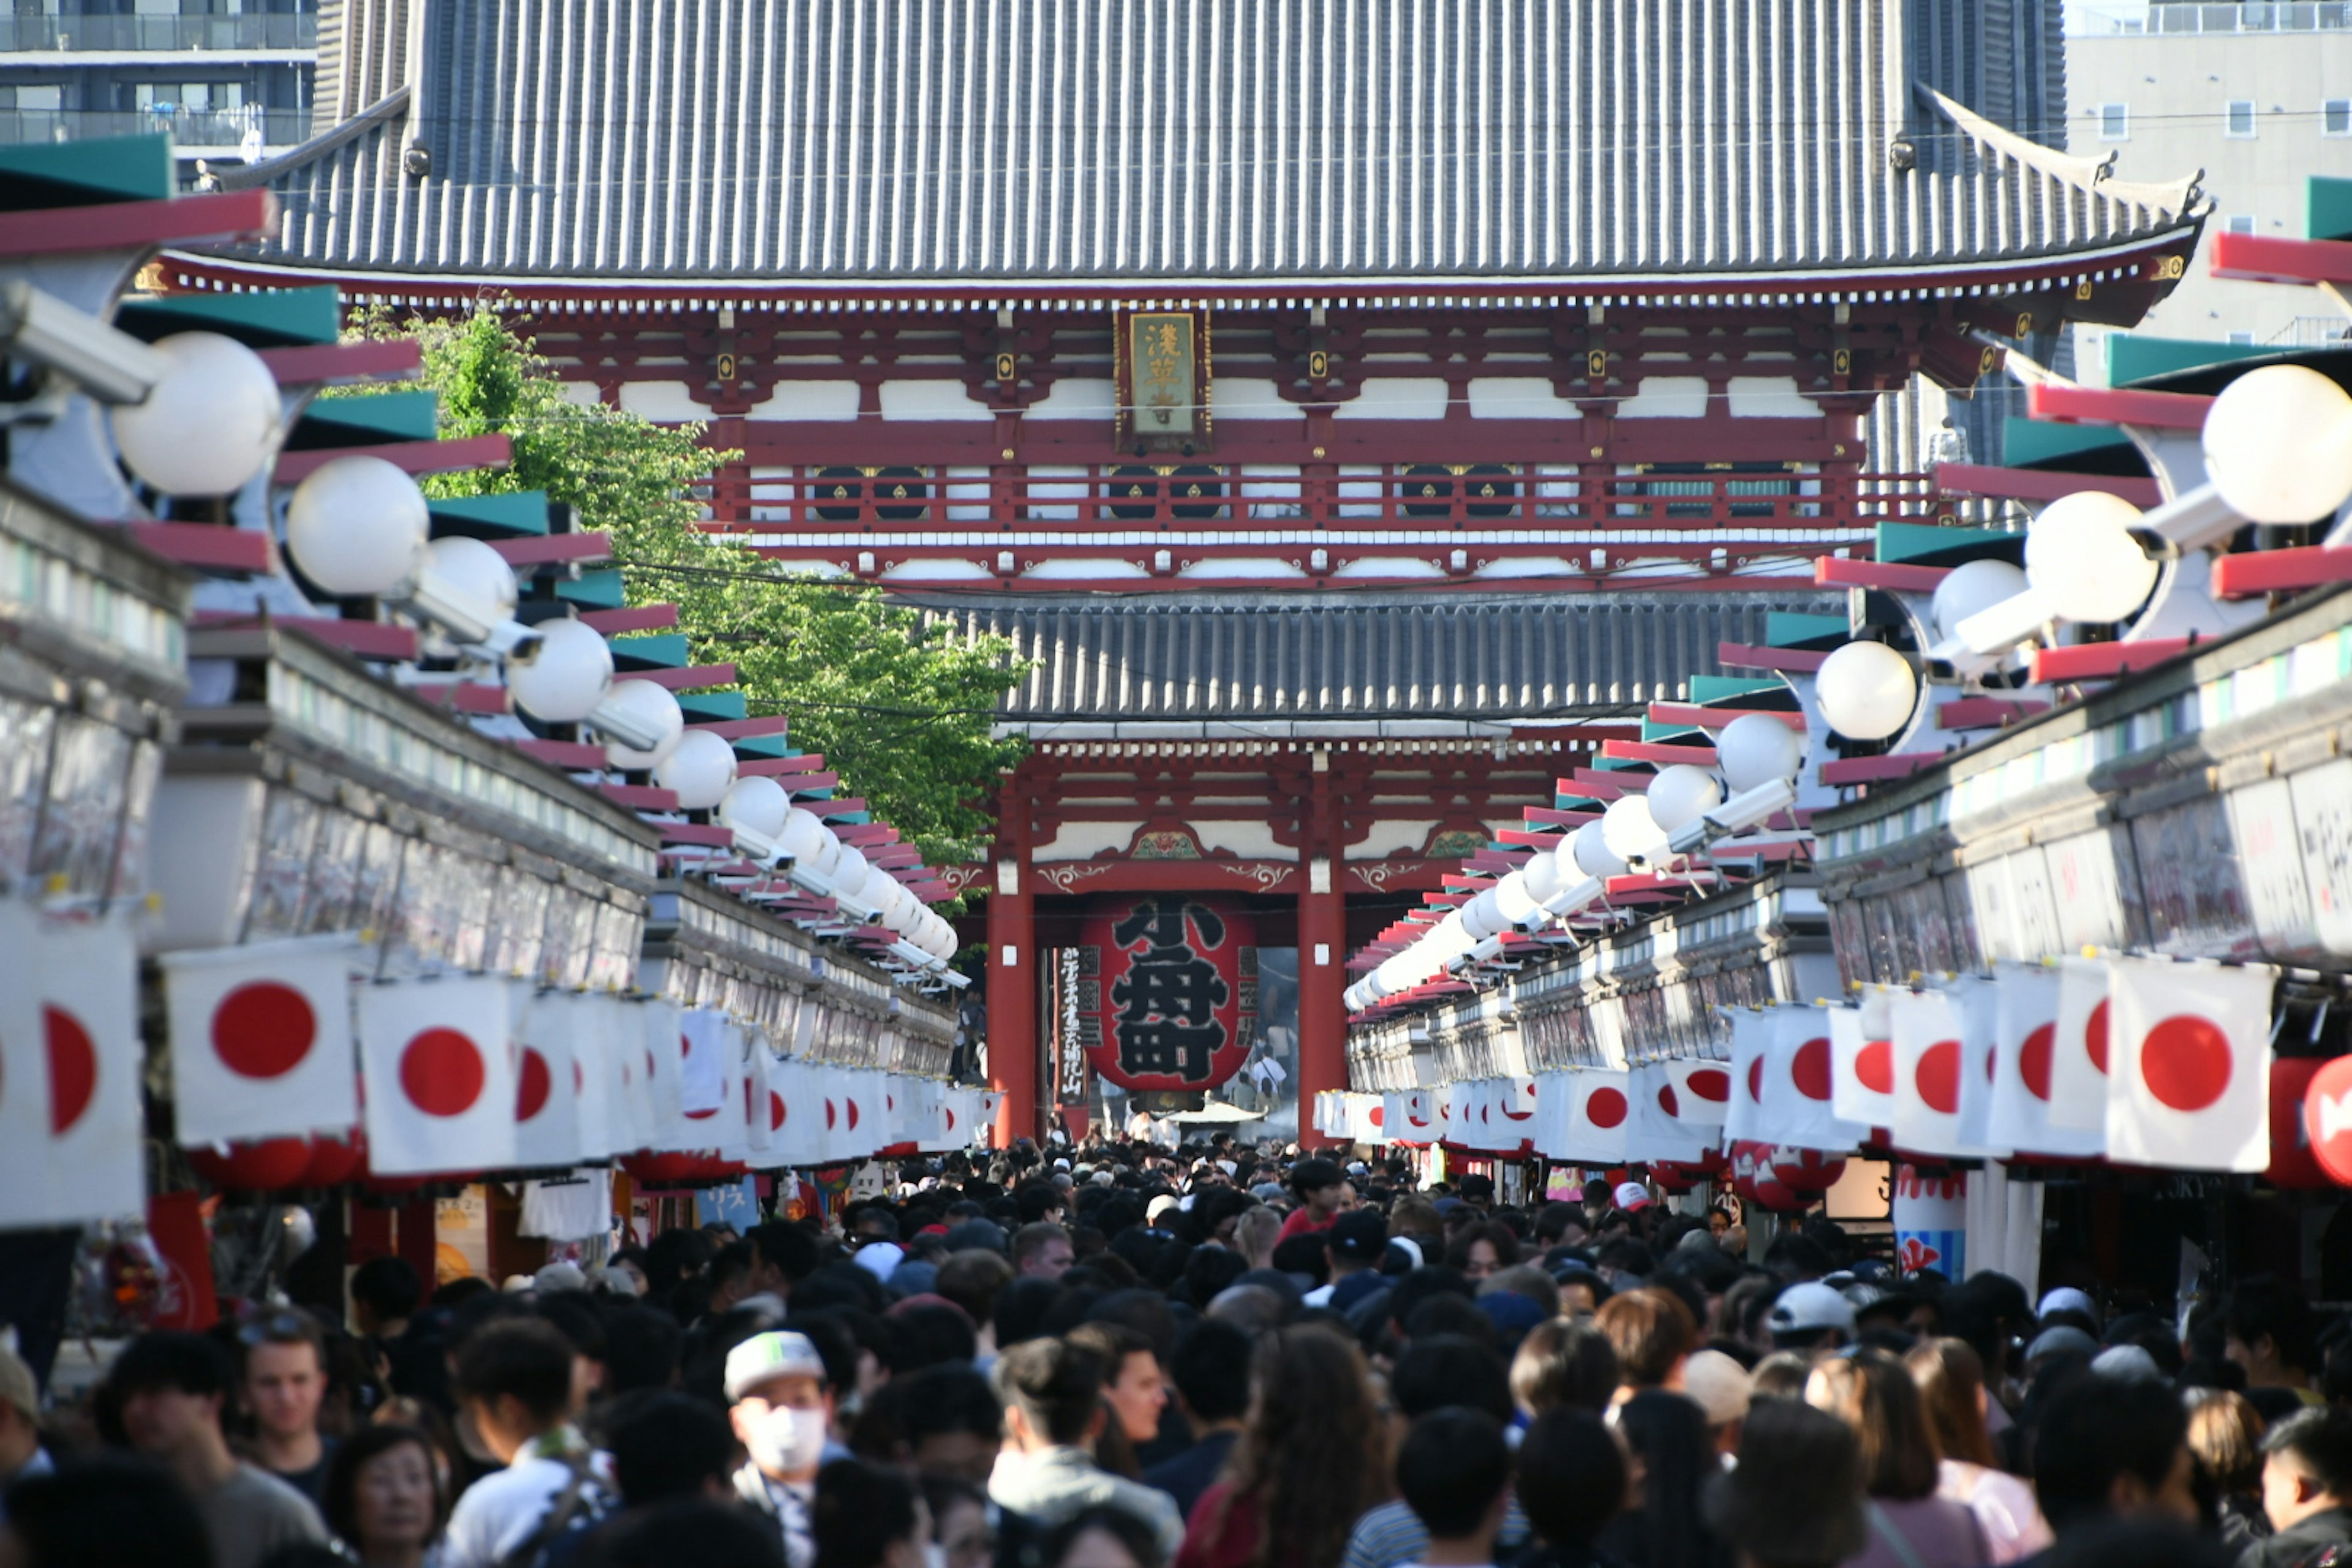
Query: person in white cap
x=1631 y=1196
x=782 y=1408
x=1811 y=1318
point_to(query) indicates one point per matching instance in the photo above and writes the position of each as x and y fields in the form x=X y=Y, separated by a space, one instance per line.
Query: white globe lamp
x=2080 y=556
x=1866 y=691
x=1630 y=831
x=1516 y=898
x=566 y=673
x=1544 y=875
x=1482 y=917
x=475 y=571
x=700 y=768
x=357 y=527
x=1681 y=794
x=802 y=837
x=754 y=804
x=1969 y=587
x=1593 y=852
x=209 y=425
x=2278 y=444
x=652 y=711
x=850 y=870
x=1757 y=749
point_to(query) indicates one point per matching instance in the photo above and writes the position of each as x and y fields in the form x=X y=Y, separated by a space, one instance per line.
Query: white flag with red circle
x=1658 y=1131
x=615 y=1112
x=1751 y=1038
x=2190 y=1057
x=1978 y=1006
x=2078 y=1046
x=762 y=1107
x=1702 y=1089
x=1600 y=1117
x=261 y=1039
x=702 y=1061
x=1408 y=1116
x=24 y=1078
x=74 y=1000
x=550 y=1080
x=437 y=1061
x=2026 y=1023
x=1929 y=1058
x=1796 y=1105
x=654 y=1071
x=1862 y=1061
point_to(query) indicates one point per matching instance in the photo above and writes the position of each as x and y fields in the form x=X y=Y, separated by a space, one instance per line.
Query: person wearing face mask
x=781 y=1405
x=867 y=1516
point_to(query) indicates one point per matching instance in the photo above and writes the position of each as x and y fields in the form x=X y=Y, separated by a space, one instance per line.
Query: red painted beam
x=577 y=756
x=207 y=546
x=782 y=769
x=2033 y=484
x=858 y=835
x=693 y=677
x=464 y=697
x=2103 y=660
x=1598 y=784
x=1527 y=838
x=2065 y=404
x=1986 y=712
x=847 y=805
x=644 y=618
x=2248 y=573
x=1554 y=816
x=1659 y=753
x=1716 y=718
x=736 y=728
x=2266 y=258
x=704 y=834
x=408 y=456
x=545 y=549
x=133 y=225
x=642 y=798
x=1747 y=656
x=1833 y=572
x=312 y=364
x=1876 y=770
x=802 y=784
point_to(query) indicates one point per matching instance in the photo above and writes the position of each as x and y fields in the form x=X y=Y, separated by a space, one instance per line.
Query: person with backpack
x=513 y=1383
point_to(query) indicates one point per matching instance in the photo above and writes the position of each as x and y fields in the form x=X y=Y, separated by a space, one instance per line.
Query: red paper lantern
x=1806 y=1169
x=2294 y=1163
x=1175 y=996
x=2326 y=1117
x=334 y=1161
x=263 y=1165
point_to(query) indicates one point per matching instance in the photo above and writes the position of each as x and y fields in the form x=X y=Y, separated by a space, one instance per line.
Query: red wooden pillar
x=1012 y=973
x=418 y=1245
x=1322 y=955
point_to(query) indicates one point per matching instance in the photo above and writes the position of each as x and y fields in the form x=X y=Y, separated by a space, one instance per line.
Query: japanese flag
x=549 y=1081
x=70 y=1045
x=615 y=1114
x=2026 y=1023
x=1861 y=1056
x=655 y=1068
x=1795 y=1103
x=768 y=1110
x=2190 y=1058
x=436 y=1059
x=1514 y=1107
x=261 y=1039
x=1929 y=1058
x=1702 y=1091
x=1367 y=1115
x=1554 y=1111
x=1658 y=1131
x=1751 y=1038
x=2078 y=1046
x=702 y=1062
x=1980 y=1013
x=1601 y=1117
x=733 y=1119
x=1408 y=1116
x=804 y=1090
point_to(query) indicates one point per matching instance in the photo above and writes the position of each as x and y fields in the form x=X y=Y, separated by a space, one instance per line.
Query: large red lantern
x=2328 y=1117
x=1174 y=996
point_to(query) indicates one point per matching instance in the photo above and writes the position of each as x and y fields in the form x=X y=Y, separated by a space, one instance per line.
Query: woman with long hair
x=1672 y=1456
x=1952 y=1394
x=1312 y=1457
x=1910 y=1526
x=2225 y=1433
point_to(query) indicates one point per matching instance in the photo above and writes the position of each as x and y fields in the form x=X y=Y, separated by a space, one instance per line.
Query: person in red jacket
x=1320 y=1186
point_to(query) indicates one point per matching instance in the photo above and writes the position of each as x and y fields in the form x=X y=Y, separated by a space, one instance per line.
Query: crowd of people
x=1121 y=1357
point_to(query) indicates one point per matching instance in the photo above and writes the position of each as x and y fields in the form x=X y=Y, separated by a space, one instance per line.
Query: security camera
x=2193 y=522
x=463 y=617
x=617 y=722
x=1747 y=809
x=106 y=361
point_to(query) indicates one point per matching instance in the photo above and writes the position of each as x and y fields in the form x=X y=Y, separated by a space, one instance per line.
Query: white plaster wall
x=934 y=400
x=1397 y=397
x=1518 y=398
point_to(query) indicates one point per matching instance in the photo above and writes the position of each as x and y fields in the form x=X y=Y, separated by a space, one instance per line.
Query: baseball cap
x=1719 y=1384
x=1809 y=1309
x=1631 y=1196
x=765 y=1357
x=1160 y=1205
x=16 y=1387
x=2067 y=1299
x=2064 y=1340
x=1359 y=1235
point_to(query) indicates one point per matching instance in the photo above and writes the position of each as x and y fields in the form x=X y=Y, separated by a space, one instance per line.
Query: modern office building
x=230 y=79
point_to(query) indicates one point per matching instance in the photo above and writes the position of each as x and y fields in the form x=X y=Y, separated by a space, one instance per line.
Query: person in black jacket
x=2307 y=1492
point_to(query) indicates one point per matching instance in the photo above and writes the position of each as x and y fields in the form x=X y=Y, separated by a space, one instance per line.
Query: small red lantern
x=1806 y=1169
x=2294 y=1163
x=334 y=1161
x=262 y=1165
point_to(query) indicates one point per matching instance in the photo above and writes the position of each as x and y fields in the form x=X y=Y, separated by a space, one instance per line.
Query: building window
x=2115 y=121
x=2247 y=338
x=2241 y=222
x=2335 y=117
x=2242 y=118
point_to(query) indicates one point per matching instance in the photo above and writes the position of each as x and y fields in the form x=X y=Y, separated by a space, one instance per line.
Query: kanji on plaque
x=1175 y=991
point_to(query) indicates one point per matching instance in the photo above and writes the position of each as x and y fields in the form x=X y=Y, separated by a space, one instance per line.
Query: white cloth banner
x=1928 y=1061
x=2190 y=1065
x=1862 y=1052
x=73 y=1002
x=1702 y=1096
x=1978 y=1005
x=2026 y=1021
x=1601 y=1118
x=1751 y=1038
x=1796 y=1107
x=436 y=1058
x=261 y=1039
x=550 y=1082
x=1658 y=1131
x=2078 y=1046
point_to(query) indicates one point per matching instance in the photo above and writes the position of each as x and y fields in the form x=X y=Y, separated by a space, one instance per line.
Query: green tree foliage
x=899 y=709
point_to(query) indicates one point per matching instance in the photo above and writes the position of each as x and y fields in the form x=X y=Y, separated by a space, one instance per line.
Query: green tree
x=899 y=706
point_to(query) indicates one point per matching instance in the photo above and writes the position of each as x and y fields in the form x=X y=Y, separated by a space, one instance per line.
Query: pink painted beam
x=1527 y=838
x=311 y=365
x=546 y=549
x=641 y=797
x=2033 y=484
x=1832 y=572
x=783 y=769
x=1659 y=753
x=2115 y=405
x=465 y=697
x=2267 y=258
x=2103 y=660
x=644 y=618
x=1986 y=712
x=707 y=834
x=1594 y=784
x=133 y=225
x=573 y=754
x=1877 y=770
x=1716 y=718
x=802 y=784
x=408 y=456
x=1553 y=816
x=207 y=546
x=739 y=729
x=1748 y=655
x=689 y=678
x=2254 y=571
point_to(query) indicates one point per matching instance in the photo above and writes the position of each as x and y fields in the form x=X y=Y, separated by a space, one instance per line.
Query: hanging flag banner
x=607 y=1058
x=1930 y=1216
x=1861 y=1056
x=77 y=1004
x=1929 y=1058
x=1170 y=983
x=702 y=1061
x=2078 y=1047
x=1555 y=1113
x=1702 y=1089
x=1408 y=1115
x=1795 y=1103
x=261 y=1039
x=2326 y=1119
x=1751 y=1038
x=1978 y=1007
x=436 y=1062
x=1601 y=1117
x=1658 y=1131
x=547 y=1081
x=659 y=1026
x=2189 y=1058
x=2026 y=1025
x=24 y=1081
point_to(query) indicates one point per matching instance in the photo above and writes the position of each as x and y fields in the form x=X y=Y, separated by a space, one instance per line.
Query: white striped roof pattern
x=1358 y=655
x=1123 y=142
